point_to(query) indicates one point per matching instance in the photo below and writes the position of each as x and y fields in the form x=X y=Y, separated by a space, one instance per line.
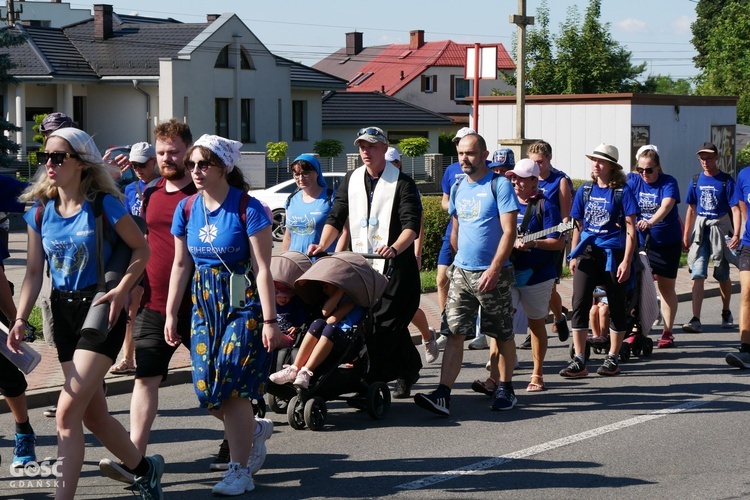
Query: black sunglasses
x=203 y=165
x=138 y=165
x=57 y=157
x=647 y=171
x=370 y=131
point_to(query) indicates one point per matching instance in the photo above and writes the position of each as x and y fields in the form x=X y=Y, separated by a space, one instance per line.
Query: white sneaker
x=303 y=378
x=236 y=482
x=479 y=343
x=284 y=376
x=431 y=350
x=441 y=341
x=258 y=455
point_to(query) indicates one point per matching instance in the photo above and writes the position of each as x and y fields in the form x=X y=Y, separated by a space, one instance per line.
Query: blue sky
x=308 y=30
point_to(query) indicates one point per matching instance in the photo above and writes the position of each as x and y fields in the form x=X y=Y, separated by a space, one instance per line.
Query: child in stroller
x=340 y=315
x=290 y=313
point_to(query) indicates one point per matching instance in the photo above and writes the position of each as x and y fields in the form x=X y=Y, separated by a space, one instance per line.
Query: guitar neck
x=562 y=227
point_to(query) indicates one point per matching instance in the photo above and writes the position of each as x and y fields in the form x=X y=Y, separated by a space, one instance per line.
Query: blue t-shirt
x=453 y=172
x=743 y=194
x=220 y=231
x=478 y=213
x=649 y=198
x=134 y=197
x=710 y=198
x=541 y=261
x=351 y=319
x=600 y=216
x=291 y=314
x=551 y=185
x=70 y=242
x=305 y=221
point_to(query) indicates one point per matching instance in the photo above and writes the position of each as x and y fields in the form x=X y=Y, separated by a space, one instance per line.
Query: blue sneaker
x=23 y=452
x=505 y=399
x=149 y=486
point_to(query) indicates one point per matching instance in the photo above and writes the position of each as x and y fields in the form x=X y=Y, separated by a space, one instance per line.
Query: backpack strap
x=329 y=197
x=188 y=206
x=241 y=212
x=150 y=189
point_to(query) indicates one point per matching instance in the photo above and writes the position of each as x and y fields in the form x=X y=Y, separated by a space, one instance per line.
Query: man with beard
x=152 y=353
x=484 y=210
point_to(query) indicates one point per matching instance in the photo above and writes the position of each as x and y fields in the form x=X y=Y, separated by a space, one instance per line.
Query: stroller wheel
x=586 y=351
x=276 y=404
x=315 y=413
x=294 y=415
x=378 y=400
x=648 y=347
x=259 y=407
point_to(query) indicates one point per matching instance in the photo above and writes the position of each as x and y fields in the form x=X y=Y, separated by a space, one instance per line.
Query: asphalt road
x=672 y=426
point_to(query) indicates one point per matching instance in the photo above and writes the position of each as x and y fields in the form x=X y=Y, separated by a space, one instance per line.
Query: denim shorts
x=700 y=266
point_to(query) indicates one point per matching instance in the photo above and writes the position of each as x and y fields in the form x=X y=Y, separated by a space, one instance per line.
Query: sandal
x=484 y=387
x=124 y=367
x=537 y=386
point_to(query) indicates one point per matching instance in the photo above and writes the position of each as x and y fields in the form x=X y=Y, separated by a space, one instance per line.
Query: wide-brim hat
x=606 y=152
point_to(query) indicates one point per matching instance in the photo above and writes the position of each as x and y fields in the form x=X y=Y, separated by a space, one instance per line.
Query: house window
x=461 y=88
x=222 y=61
x=222 y=117
x=247 y=121
x=79 y=111
x=246 y=61
x=429 y=84
x=299 y=120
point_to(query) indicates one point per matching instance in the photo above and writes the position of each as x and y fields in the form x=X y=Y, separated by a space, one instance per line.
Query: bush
x=435 y=221
x=743 y=158
x=414 y=146
x=328 y=148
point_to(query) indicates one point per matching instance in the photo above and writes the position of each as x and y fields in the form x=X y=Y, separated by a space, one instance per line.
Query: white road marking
x=551 y=445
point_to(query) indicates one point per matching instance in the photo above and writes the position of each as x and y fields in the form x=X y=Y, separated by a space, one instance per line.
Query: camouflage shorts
x=464 y=301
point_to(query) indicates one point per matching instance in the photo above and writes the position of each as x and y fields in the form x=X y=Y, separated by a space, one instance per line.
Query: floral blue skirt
x=226 y=346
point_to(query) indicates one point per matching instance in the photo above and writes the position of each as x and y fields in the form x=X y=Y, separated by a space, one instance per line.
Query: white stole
x=370 y=233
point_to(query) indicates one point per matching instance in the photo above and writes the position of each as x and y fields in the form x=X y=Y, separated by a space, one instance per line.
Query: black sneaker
x=574 y=370
x=505 y=399
x=51 y=412
x=434 y=402
x=526 y=344
x=149 y=486
x=610 y=367
x=727 y=321
x=403 y=387
x=222 y=459
x=563 y=332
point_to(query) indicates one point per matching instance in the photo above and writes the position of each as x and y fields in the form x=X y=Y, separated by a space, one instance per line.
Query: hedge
x=435 y=222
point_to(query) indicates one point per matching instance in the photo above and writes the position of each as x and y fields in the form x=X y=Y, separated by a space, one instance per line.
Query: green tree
x=727 y=57
x=414 y=146
x=660 y=84
x=328 y=148
x=707 y=12
x=276 y=151
x=8 y=148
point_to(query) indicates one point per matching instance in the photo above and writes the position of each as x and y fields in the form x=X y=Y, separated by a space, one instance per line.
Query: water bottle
x=727 y=239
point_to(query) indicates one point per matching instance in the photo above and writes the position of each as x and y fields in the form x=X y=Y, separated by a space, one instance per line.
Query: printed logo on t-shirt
x=597 y=214
x=208 y=233
x=468 y=209
x=647 y=202
x=62 y=260
x=301 y=225
x=709 y=200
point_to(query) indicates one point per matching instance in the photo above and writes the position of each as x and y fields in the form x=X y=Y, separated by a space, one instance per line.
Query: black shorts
x=152 y=353
x=69 y=310
x=12 y=381
x=745 y=259
x=665 y=259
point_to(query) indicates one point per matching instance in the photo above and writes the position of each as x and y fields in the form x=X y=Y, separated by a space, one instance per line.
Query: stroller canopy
x=287 y=267
x=347 y=270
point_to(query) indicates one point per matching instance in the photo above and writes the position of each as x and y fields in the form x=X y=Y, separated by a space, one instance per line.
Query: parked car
x=275 y=197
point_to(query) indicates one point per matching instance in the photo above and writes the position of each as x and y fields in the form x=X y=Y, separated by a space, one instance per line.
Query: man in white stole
x=383 y=211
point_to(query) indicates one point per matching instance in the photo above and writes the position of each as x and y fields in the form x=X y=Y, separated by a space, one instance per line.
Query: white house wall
x=314 y=131
x=573 y=130
x=347 y=134
x=117 y=114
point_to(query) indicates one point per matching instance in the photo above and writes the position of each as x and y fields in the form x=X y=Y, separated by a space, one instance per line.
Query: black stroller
x=344 y=372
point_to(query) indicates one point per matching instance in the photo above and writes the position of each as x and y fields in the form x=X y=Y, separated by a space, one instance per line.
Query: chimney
x=353 y=43
x=416 y=39
x=102 y=22
x=212 y=17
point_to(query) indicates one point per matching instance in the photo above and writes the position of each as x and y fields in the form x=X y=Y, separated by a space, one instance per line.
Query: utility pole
x=12 y=15
x=521 y=20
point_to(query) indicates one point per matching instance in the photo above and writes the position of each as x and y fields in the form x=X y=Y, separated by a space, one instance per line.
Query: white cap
x=141 y=152
x=524 y=168
x=392 y=154
x=463 y=133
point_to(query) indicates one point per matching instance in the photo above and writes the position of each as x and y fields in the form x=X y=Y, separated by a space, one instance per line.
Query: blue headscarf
x=312 y=160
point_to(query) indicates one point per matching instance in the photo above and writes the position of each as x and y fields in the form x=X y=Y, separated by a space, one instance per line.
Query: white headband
x=226 y=149
x=643 y=149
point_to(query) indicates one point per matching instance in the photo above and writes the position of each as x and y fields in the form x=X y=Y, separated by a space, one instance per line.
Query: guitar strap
x=533 y=209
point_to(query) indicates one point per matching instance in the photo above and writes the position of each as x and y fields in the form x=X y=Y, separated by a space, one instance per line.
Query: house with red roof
x=425 y=74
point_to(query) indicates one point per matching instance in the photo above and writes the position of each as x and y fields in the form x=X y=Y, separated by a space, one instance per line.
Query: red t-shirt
x=159 y=214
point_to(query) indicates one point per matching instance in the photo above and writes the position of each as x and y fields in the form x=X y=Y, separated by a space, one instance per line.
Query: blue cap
x=503 y=158
x=312 y=160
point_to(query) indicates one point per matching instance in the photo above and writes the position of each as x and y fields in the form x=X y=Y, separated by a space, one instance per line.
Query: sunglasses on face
x=202 y=165
x=370 y=131
x=138 y=165
x=57 y=157
x=647 y=171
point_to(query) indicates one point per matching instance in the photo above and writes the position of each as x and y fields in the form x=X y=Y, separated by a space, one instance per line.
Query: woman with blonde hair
x=70 y=183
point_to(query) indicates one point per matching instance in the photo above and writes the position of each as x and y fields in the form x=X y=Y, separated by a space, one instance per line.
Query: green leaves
x=413 y=146
x=276 y=151
x=328 y=148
